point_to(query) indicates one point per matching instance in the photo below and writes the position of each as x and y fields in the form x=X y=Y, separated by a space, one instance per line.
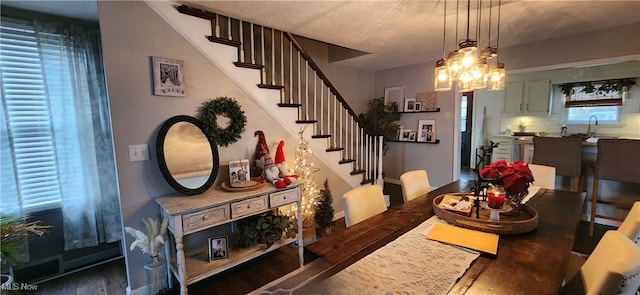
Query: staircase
x=278 y=74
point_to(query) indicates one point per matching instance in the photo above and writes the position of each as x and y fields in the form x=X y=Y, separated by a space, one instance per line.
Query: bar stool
x=562 y=153
x=618 y=160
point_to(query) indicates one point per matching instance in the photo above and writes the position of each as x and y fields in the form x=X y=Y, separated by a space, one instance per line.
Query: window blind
x=29 y=126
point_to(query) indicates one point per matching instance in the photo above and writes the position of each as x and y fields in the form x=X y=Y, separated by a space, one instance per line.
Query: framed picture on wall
x=417 y=106
x=412 y=136
x=404 y=134
x=429 y=100
x=409 y=104
x=218 y=248
x=394 y=94
x=168 y=76
x=426 y=131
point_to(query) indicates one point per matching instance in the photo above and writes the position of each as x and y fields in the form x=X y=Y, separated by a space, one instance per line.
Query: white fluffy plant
x=150 y=243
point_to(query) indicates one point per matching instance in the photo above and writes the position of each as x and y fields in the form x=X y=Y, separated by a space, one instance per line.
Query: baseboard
x=338 y=215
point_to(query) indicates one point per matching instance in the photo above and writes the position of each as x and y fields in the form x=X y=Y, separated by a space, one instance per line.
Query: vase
x=156 y=276
x=515 y=201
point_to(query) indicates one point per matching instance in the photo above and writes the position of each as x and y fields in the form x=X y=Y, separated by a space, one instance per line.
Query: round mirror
x=187 y=159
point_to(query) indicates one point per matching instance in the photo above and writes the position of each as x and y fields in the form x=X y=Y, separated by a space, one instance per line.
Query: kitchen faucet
x=589 y=127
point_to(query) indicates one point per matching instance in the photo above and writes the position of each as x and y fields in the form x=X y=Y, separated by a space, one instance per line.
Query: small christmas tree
x=324 y=211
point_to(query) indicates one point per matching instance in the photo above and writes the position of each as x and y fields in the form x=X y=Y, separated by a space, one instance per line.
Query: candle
x=496 y=196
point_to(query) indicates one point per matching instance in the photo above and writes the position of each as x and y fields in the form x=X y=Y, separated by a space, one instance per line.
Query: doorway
x=466 y=129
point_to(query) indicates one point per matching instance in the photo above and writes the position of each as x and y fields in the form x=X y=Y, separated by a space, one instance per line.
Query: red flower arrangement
x=515 y=176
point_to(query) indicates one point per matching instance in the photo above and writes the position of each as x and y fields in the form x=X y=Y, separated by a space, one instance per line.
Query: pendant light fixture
x=467 y=66
x=443 y=80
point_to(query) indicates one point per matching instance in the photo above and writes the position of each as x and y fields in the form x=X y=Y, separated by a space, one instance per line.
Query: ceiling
x=397 y=33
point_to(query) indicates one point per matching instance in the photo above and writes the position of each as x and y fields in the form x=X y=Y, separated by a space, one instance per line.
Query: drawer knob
x=204 y=217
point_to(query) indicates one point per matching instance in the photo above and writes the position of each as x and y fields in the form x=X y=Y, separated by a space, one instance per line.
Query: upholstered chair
x=630 y=227
x=363 y=202
x=545 y=176
x=562 y=153
x=618 y=160
x=612 y=268
x=415 y=183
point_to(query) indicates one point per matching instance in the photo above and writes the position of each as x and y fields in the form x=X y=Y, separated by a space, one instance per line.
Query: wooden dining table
x=526 y=263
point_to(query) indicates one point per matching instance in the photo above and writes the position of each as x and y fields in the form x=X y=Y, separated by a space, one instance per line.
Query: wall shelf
x=408 y=141
x=425 y=111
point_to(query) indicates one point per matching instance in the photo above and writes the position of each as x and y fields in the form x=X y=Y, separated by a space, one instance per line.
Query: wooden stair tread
x=248 y=65
x=192 y=11
x=321 y=136
x=354 y=172
x=223 y=41
x=334 y=149
x=345 y=161
x=306 y=121
x=269 y=86
x=289 y=105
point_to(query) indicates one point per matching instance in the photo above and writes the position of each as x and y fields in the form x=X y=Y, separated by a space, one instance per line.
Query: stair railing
x=285 y=65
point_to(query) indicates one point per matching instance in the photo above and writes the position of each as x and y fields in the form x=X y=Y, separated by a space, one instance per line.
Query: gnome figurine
x=261 y=150
x=285 y=173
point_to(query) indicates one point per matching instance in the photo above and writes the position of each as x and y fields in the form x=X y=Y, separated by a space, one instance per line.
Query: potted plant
x=324 y=211
x=266 y=228
x=381 y=119
x=152 y=244
x=16 y=231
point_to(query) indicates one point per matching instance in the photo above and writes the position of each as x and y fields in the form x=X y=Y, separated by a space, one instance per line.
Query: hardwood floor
x=110 y=278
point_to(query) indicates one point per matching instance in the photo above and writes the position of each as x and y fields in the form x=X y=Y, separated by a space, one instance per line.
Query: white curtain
x=73 y=139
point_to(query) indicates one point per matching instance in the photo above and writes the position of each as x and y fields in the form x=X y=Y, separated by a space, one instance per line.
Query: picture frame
x=394 y=94
x=429 y=100
x=168 y=76
x=426 y=131
x=409 y=104
x=404 y=134
x=412 y=136
x=218 y=248
x=417 y=106
x=239 y=171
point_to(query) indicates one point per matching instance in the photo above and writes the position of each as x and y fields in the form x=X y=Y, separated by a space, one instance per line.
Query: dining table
x=526 y=263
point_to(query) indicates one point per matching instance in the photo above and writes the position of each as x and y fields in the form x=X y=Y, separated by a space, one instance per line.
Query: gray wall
x=131 y=34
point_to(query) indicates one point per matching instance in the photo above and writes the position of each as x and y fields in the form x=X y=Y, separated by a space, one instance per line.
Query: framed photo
x=412 y=136
x=239 y=172
x=168 y=76
x=429 y=100
x=426 y=131
x=218 y=248
x=409 y=104
x=394 y=94
x=417 y=106
x=405 y=134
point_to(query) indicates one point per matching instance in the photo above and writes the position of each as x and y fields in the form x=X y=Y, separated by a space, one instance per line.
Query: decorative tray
x=526 y=221
x=258 y=182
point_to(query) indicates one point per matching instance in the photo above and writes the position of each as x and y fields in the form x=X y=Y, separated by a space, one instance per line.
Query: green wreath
x=228 y=107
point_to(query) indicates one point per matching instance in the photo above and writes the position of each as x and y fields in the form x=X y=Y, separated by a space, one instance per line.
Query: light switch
x=138 y=152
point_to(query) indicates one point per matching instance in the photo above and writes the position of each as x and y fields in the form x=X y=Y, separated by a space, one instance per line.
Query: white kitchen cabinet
x=531 y=97
x=193 y=214
x=504 y=150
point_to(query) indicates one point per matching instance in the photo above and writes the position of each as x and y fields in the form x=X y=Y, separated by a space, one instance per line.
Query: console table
x=192 y=214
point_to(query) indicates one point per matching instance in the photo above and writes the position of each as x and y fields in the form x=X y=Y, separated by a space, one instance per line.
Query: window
x=584 y=100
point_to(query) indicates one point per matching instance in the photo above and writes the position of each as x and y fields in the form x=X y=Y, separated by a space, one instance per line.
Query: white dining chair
x=363 y=202
x=612 y=268
x=544 y=176
x=630 y=227
x=415 y=183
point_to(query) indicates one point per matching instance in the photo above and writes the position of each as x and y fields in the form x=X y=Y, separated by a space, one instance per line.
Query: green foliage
x=381 y=119
x=228 y=107
x=605 y=86
x=266 y=228
x=324 y=210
